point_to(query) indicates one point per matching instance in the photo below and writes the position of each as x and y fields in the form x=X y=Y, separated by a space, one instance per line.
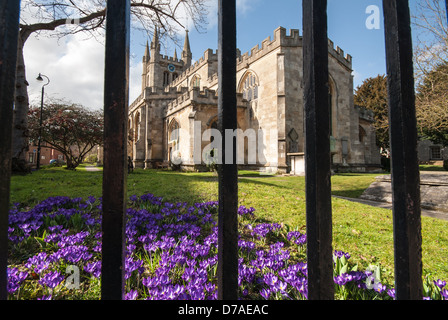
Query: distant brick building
x=46 y=154
x=179 y=103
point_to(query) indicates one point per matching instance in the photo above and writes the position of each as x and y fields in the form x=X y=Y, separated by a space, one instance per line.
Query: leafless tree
x=60 y=18
x=429 y=23
x=431 y=68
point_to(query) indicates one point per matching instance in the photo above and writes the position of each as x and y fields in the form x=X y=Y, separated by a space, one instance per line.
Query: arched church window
x=332 y=105
x=175 y=75
x=166 y=78
x=213 y=125
x=173 y=135
x=249 y=87
x=362 y=134
x=130 y=135
x=196 y=81
x=137 y=126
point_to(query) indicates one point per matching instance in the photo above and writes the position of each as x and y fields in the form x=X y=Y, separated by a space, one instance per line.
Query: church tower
x=145 y=64
x=159 y=71
x=153 y=77
x=186 y=53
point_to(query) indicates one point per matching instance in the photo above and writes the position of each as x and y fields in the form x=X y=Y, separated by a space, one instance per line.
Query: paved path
x=425 y=212
x=92 y=168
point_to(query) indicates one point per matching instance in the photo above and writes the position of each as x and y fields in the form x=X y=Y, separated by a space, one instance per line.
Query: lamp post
x=39 y=78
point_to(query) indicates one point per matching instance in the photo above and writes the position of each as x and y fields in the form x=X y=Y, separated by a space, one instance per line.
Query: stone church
x=178 y=104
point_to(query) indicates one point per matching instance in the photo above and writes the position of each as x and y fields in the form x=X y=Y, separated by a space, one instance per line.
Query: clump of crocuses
x=171 y=254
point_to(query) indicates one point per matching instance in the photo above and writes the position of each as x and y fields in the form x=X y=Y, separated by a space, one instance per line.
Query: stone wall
x=433 y=191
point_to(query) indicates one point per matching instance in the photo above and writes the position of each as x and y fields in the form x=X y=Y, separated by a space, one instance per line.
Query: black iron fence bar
x=446 y=8
x=227 y=172
x=317 y=151
x=403 y=142
x=116 y=86
x=9 y=31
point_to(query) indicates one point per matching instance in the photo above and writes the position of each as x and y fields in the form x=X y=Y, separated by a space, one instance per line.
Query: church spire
x=155 y=41
x=175 y=54
x=186 y=53
x=147 y=55
x=187 y=43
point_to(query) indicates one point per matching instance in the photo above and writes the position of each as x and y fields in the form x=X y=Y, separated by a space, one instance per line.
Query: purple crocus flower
x=440 y=283
x=444 y=294
x=270 y=279
x=131 y=295
x=15 y=279
x=391 y=293
x=281 y=286
x=379 y=287
x=265 y=293
x=94 y=268
x=343 y=279
x=340 y=254
x=51 y=279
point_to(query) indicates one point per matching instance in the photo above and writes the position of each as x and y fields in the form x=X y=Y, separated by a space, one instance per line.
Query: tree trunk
x=21 y=106
x=72 y=162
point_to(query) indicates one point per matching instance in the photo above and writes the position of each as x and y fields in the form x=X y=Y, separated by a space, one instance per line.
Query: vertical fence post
x=317 y=151
x=403 y=141
x=115 y=148
x=446 y=10
x=228 y=171
x=9 y=31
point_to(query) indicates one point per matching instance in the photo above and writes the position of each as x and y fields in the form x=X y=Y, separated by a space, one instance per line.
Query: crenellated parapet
x=293 y=39
x=168 y=60
x=208 y=57
x=281 y=38
x=155 y=93
x=365 y=113
x=338 y=53
x=196 y=97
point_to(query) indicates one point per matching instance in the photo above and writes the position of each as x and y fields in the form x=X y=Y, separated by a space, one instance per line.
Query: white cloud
x=75 y=67
x=243 y=6
x=212 y=17
x=135 y=80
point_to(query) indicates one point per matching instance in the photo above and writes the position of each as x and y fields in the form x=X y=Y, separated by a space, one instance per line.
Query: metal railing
x=405 y=173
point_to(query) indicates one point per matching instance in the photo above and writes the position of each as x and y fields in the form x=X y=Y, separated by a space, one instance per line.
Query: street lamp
x=39 y=78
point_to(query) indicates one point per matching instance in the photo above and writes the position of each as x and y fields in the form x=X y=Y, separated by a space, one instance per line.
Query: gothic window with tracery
x=196 y=82
x=173 y=136
x=332 y=98
x=166 y=78
x=249 y=87
x=137 y=126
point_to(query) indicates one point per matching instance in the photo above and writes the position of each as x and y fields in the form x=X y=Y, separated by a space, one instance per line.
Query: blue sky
x=257 y=19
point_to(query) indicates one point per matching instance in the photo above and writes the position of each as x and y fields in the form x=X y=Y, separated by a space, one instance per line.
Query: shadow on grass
x=354 y=193
x=432 y=168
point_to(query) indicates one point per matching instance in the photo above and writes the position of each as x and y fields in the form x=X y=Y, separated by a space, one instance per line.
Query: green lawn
x=363 y=231
x=429 y=167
